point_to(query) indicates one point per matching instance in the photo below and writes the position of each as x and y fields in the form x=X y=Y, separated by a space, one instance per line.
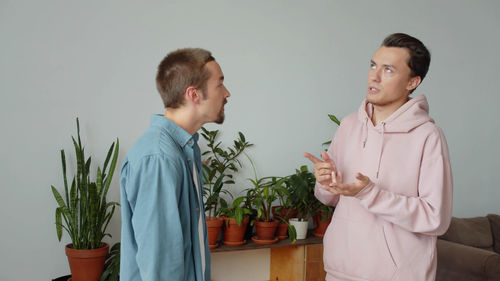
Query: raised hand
x=324 y=170
x=348 y=189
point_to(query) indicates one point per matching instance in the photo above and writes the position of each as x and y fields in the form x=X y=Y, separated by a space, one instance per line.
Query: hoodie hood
x=412 y=114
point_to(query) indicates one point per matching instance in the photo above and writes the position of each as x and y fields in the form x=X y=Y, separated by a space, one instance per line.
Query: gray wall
x=287 y=64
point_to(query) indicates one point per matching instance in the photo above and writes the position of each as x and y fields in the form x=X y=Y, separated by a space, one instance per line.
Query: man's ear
x=193 y=94
x=413 y=83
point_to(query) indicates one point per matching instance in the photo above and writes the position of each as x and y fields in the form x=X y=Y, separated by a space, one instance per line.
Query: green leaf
x=238 y=216
x=58 y=197
x=292 y=233
x=58 y=224
x=334 y=119
x=238 y=201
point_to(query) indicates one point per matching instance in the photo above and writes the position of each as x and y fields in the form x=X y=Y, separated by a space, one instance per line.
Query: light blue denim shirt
x=160 y=207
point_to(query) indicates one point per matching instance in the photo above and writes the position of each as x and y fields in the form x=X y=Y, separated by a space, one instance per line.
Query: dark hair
x=420 y=58
x=179 y=70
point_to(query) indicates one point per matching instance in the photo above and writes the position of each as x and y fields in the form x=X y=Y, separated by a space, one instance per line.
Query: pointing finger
x=311 y=158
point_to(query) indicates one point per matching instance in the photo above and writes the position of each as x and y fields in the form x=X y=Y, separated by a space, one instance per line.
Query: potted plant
x=284 y=211
x=322 y=218
x=85 y=213
x=236 y=217
x=302 y=196
x=263 y=193
x=217 y=172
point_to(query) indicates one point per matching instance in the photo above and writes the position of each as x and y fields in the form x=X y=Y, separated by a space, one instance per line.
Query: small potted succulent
x=302 y=196
x=218 y=168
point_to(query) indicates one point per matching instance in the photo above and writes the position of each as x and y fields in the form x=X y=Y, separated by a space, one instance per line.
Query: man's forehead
x=214 y=69
x=391 y=55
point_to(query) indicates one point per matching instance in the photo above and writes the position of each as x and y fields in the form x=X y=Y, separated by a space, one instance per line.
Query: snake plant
x=84 y=212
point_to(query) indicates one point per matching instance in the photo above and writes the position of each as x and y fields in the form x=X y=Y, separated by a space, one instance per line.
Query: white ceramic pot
x=300 y=227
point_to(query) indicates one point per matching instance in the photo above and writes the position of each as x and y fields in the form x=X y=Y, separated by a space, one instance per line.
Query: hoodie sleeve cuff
x=363 y=193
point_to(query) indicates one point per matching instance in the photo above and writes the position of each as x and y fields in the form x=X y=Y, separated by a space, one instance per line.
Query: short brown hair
x=179 y=70
x=420 y=57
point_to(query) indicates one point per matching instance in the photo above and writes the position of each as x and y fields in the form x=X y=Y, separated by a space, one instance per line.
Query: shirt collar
x=179 y=135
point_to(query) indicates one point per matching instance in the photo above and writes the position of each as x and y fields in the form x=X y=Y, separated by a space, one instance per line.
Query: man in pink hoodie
x=388 y=173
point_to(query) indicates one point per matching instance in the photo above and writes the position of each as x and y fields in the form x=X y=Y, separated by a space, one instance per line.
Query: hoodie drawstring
x=381 y=148
x=365 y=132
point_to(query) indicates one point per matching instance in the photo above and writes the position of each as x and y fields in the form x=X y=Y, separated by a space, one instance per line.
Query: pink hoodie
x=388 y=231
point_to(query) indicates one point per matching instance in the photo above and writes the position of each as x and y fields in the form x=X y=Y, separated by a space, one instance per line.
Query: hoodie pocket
x=358 y=249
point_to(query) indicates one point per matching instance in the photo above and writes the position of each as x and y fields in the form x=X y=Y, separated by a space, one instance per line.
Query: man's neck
x=184 y=119
x=382 y=112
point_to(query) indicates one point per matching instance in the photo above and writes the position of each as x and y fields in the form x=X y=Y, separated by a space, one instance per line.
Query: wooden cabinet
x=297 y=263
x=302 y=261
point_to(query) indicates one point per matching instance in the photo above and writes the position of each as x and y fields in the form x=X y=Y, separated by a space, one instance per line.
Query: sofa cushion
x=475 y=232
x=458 y=262
x=495 y=229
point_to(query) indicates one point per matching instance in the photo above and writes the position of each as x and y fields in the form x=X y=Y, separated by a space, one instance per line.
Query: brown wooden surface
x=314 y=263
x=287 y=263
x=250 y=245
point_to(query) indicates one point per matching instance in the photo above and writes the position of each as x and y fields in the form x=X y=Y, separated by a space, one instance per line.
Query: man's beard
x=220 y=117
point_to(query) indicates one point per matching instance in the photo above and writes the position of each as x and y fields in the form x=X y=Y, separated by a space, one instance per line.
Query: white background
x=287 y=64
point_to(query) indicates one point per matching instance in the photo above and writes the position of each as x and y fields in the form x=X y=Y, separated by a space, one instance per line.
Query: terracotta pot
x=234 y=232
x=280 y=212
x=86 y=265
x=214 y=226
x=266 y=230
x=320 y=226
x=281 y=232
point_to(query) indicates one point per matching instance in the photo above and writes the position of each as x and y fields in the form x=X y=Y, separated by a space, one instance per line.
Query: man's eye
x=388 y=70
x=372 y=66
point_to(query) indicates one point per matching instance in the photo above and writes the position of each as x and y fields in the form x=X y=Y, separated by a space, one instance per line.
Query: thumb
x=325 y=156
x=361 y=177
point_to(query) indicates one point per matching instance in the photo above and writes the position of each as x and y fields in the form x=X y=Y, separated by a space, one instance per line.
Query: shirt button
x=189 y=159
x=190 y=141
x=182 y=143
x=197 y=209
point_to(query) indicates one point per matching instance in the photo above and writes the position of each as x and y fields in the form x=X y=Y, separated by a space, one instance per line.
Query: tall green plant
x=218 y=168
x=85 y=210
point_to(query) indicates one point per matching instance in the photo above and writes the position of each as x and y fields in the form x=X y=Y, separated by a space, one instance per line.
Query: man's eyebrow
x=384 y=65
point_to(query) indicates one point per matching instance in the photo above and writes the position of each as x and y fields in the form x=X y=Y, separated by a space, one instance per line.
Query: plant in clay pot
x=84 y=212
x=322 y=218
x=236 y=217
x=302 y=195
x=218 y=169
x=264 y=193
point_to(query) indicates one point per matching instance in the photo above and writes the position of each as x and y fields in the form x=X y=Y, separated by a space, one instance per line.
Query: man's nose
x=374 y=75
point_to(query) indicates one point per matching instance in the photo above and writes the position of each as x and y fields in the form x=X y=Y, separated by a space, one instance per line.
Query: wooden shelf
x=250 y=245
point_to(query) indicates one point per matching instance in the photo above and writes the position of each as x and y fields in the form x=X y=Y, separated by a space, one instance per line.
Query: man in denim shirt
x=164 y=235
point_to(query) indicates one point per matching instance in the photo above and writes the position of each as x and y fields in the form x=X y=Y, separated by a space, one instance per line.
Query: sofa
x=470 y=250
